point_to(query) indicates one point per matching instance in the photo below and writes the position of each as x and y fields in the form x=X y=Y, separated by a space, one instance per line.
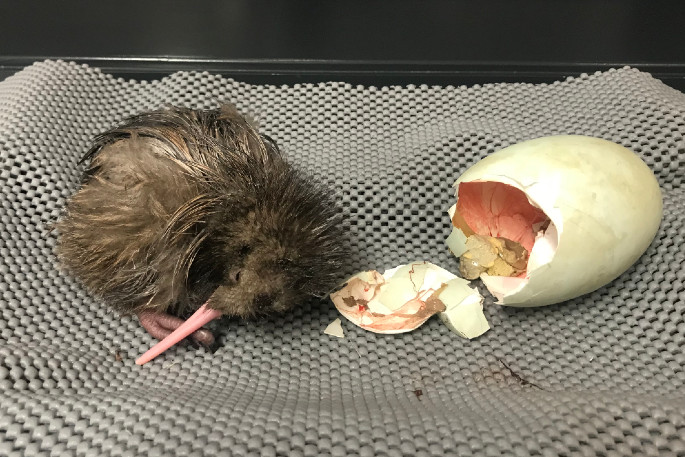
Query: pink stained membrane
x=201 y=317
x=499 y=210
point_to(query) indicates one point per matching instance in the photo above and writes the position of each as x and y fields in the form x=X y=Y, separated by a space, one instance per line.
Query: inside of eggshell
x=504 y=224
x=500 y=210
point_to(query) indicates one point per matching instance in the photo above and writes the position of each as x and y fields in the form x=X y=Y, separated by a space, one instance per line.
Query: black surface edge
x=355 y=72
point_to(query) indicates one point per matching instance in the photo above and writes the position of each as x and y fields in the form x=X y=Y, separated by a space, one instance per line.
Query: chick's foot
x=161 y=325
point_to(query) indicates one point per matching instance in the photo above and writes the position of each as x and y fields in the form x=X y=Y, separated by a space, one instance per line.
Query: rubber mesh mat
x=599 y=375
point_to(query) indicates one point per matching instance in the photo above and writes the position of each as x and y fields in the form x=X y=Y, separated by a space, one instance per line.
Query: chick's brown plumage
x=181 y=206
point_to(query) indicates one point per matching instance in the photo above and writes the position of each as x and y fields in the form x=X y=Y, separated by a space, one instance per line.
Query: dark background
x=368 y=42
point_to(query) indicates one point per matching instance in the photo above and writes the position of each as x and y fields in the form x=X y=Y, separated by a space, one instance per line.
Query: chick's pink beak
x=201 y=317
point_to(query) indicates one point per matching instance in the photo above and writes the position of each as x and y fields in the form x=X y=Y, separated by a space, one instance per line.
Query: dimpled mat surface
x=599 y=375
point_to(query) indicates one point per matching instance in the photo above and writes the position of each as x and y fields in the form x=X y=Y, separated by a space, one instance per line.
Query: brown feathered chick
x=182 y=207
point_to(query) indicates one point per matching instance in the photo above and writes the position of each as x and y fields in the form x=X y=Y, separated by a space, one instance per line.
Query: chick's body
x=179 y=207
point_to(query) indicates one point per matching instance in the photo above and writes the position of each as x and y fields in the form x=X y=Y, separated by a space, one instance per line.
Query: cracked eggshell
x=405 y=297
x=605 y=208
x=464 y=309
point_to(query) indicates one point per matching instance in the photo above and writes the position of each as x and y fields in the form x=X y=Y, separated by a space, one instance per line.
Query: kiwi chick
x=178 y=208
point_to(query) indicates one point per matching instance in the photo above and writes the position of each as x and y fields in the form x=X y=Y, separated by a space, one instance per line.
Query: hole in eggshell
x=500 y=210
x=501 y=226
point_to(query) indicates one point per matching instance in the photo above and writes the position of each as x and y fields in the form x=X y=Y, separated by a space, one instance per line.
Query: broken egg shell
x=604 y=203
x=405 y=297
x=335 y=329
x=389 y=303
x=464 y=313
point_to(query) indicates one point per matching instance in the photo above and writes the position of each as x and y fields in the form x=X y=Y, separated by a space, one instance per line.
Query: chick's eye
x=232 y=277
x=244 y=250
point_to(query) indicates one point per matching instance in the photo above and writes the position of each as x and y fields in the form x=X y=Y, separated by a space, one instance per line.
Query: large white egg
x=584 y=208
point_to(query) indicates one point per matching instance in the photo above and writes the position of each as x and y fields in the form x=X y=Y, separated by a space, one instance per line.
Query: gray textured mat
x=605 y=371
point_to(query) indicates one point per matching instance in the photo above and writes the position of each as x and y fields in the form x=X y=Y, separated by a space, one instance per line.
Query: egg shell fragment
x=604 y=203
x=464 y=312
x=335 y=329
x=405 y=297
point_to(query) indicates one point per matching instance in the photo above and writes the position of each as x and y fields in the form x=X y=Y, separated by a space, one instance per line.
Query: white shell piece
x=464 y=313
x=335 y=329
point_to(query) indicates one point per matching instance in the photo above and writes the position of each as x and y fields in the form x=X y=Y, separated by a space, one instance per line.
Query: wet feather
x=179 y=206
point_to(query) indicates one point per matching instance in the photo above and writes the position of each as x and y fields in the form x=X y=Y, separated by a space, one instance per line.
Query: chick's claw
x=161 y=325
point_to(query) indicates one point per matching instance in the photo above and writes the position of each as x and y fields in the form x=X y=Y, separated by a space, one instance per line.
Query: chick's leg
x=161 y=325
